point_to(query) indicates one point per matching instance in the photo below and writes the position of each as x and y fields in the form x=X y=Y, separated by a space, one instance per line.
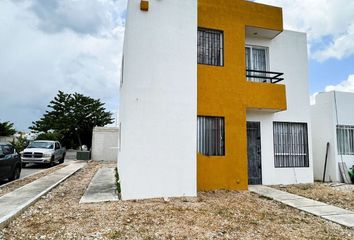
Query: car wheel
x=51 y=163
x=62 y=159
x=16 y=174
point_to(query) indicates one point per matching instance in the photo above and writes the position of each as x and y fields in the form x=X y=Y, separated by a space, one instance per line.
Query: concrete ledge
x=14 y=203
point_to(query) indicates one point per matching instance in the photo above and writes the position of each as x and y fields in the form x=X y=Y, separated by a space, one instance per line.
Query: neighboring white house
x=332 y=121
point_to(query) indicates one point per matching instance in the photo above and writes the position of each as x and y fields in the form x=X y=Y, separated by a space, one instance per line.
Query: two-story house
x=214 y=95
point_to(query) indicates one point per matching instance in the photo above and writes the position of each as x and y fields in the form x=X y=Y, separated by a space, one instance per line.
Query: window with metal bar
x=210 y=47
x=257 y=61
x=345 y=139
x=210 y=138
x=290 y=145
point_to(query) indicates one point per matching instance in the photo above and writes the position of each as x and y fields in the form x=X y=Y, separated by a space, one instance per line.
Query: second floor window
x=256 y=62
x=210 y=47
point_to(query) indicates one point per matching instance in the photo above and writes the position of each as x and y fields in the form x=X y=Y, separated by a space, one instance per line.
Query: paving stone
x=102 y=187
x=343 y=219
x=325 y=211
x=15 y=202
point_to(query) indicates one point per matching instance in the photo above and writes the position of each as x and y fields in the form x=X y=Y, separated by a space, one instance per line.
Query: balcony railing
x=263 y=76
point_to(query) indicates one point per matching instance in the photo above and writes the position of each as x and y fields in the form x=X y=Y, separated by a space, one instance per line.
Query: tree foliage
x=72 y=117
x=20 y=143
x=7 y=129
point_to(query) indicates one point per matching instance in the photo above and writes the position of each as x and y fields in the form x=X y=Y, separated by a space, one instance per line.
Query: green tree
x=72 y=117
x=7 y=129
x=52 y=136
x=20 y=143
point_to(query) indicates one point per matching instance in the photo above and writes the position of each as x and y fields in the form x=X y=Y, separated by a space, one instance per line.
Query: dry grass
x=334 y=194
x=213 y=215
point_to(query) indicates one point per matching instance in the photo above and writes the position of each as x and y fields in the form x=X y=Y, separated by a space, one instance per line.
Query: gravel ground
x=213 y=215
x=21 y=182
x=340 y=195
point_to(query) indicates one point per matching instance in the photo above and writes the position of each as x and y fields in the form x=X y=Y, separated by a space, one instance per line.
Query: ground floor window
x=345 y=140
x=210 y=138
x=290 y=144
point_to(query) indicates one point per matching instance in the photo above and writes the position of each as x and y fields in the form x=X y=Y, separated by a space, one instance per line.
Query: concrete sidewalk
x=335 y=214
x=15 y=202
x=102 y=187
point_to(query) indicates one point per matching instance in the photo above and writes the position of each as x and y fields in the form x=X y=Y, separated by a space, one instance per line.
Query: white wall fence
x=105 y=143
x=4 y=139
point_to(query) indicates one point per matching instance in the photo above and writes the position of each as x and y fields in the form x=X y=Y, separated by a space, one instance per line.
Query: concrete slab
x=15 y=202
x=303 y=202
x=325 y=210
x=335 y=214
x=343 y=219
x=102 y=187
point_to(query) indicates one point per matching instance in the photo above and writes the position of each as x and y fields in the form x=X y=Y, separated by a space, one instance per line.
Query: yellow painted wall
x=224 y=91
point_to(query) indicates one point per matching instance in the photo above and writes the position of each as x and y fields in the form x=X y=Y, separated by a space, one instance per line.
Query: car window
x=7 y=149
x=57 y=146
x=46 y=145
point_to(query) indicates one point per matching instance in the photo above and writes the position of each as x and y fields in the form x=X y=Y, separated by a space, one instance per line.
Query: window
x=345 y=140
x=210 y=47
x=7 y=149
x=290 y=145
x=257 y=60
x=210 y=139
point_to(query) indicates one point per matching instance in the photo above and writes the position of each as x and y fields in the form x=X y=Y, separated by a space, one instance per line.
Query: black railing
x=263 y=76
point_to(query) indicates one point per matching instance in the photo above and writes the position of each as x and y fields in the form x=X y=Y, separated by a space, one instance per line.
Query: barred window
x=210 y=47
x=290 y=145
x=210 y=139
x=345 y=140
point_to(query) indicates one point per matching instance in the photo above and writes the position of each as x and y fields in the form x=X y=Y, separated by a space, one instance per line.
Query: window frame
x=251 y=47
x=222 y=46
x=305 y=147
x=219 y=152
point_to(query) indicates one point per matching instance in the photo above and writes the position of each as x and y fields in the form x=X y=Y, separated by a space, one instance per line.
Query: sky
x=76 y=46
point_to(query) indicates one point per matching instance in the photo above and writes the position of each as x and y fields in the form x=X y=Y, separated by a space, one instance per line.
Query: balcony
x=263 y=76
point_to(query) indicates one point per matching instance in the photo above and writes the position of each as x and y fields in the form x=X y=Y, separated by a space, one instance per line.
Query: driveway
x=34 y=168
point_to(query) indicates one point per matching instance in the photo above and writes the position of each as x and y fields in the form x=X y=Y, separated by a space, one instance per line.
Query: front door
x=254 y=153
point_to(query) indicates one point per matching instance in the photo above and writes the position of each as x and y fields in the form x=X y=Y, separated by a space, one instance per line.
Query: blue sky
x=76 y=46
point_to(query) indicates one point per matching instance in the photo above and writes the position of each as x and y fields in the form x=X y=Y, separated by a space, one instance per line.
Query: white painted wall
x=287 y=54
x=158 y=106
x=105 y=143
x=330 y=109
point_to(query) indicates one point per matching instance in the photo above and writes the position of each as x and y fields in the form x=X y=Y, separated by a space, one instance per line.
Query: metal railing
x=263 y=76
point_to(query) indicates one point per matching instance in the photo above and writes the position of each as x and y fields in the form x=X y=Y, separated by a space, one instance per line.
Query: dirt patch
x=213 y=215
x=335 y=194
x=21 y=182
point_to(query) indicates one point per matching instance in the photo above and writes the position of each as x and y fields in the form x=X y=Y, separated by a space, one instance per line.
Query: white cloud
x=329 y=25
x=345 y=86
x=36 y=63
x=341 y=46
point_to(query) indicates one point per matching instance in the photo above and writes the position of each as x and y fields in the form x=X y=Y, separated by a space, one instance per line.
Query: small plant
x=118 y=189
